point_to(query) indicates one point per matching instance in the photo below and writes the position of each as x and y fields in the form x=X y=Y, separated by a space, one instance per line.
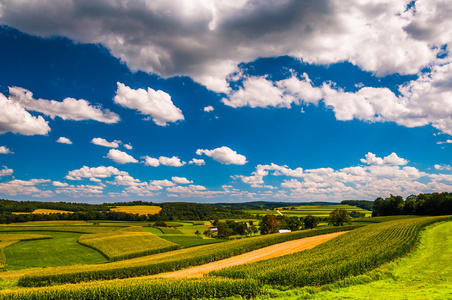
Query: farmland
x=108 y=259
x=315 y=210
x=138 y=209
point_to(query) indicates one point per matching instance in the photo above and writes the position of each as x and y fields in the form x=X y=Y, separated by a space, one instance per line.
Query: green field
x=332 y=270
x=127 y=243
x=424 y=274
x=303 y=211
x=61 y=250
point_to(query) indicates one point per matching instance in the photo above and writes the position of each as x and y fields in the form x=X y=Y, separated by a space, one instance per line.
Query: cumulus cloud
x=105 y=143
x=128 y=146
x=156 y=104
x=6 y=171
x=181 y=180
x=207 y=40
x=14 y=118
x=225 y=155
x=25 y=187
x=63 y=140
x=380 y=177
x=163 y=160
x=208 y=108
x=98 y=172
x=164 y=182
x=198 y=162
x=68 y=109
x=443 y=167
x=392 y=159
x=120 y=157
x=78 y=191
x=5 y=150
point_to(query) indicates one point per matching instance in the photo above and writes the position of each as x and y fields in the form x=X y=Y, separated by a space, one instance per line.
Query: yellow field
x=44 y=211
x=139 y=209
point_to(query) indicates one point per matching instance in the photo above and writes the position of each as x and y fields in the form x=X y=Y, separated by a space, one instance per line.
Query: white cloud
x=14 y=118
x=207 y=40
x=63 y=140
x=128 y=146
x=198 y=162
x=5 y=150
x=120 y=157
x=181 y=180
x=162 y=160
x=443 y=167
x=156 y=104
x=150 y=161
x=126 y=180
x=59 y=184
x=25 y=187
x=78 y=191
x=225 y=155
x=6 y=171
x=208 y=108
x=161 y=183
x=105 y=143
x=392 y=159
x=98 y=172
x=444 y=142
x=68 y=109
x=171 y=161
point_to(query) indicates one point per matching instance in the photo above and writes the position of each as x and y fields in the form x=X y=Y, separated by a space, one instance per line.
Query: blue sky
x=217 y=102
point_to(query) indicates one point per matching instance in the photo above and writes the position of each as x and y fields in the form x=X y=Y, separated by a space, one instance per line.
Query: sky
x=224 y=101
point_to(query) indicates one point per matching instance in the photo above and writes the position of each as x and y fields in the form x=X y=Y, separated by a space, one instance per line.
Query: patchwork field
x=306 y=273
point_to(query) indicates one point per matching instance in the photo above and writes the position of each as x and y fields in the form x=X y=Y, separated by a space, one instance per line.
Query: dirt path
x=260 y=254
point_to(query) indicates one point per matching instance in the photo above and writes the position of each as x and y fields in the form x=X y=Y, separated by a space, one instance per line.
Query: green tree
x=338 y=217
x=310 y=221
x=269 y=224
x=356 y=214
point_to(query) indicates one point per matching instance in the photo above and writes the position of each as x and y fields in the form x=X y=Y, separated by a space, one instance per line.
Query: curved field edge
x=165 y=262
x=126 y=244
x=351 y=254
x=143 y=289
x=10 y=239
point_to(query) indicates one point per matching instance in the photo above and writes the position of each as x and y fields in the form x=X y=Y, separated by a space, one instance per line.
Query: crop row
x=351 y=254
x=165 y=262
x=126 y=244
x=149 y=289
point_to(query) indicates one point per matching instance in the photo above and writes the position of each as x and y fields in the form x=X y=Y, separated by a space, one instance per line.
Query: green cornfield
x=350 y=254
x=146 y=289
x=165 y=262
x=126 y=244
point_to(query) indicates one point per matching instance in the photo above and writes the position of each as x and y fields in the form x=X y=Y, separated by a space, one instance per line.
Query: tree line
x=434 y=204
x=171 y=211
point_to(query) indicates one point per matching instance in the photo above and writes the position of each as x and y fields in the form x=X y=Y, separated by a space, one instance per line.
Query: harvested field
x=260 y=254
